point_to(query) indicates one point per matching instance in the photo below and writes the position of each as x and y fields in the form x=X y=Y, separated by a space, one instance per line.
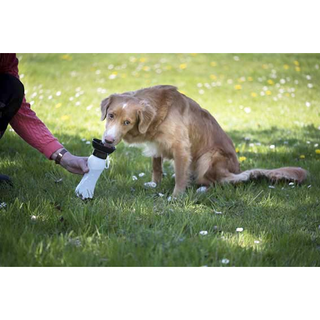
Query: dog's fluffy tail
x=286 y=173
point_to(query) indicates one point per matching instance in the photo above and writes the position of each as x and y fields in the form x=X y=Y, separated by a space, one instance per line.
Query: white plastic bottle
x=96 y=164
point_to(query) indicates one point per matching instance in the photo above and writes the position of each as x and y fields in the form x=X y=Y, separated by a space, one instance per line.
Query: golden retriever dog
x=172 y=126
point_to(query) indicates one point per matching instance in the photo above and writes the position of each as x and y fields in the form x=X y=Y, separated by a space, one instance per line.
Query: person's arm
x=31 y=129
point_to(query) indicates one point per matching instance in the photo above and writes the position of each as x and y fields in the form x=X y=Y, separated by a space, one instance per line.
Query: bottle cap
x=100 y=150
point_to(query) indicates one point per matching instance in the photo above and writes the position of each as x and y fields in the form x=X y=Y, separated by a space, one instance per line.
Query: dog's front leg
x=182 y=160
x=157 y=169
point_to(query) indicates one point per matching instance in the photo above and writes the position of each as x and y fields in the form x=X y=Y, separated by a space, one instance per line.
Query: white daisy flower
x=150 y=184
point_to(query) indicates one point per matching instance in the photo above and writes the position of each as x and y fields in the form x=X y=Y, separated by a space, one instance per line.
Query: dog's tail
x=294 y=174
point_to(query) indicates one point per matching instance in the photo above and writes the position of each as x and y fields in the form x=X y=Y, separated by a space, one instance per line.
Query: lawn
x=269 y=104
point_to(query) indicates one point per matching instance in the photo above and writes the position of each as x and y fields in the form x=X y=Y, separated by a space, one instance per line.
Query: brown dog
x=173 y=126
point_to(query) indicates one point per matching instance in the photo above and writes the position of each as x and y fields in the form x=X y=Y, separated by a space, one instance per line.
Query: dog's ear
x=105 y=104
x=146 y=115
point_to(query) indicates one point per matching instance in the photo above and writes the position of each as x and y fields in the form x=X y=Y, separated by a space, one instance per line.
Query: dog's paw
x=202 y=189
x=178 y=192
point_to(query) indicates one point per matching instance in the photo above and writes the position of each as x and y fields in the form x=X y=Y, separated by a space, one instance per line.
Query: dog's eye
x=126 y=122
x=110 y=116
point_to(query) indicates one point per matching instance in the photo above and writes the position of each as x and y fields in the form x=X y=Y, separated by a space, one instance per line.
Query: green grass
x=128 y=225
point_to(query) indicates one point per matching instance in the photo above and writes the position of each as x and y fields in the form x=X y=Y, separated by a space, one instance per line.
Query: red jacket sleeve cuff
x=51 y=148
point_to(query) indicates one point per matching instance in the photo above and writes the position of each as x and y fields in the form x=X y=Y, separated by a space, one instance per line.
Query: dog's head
x=125 y=113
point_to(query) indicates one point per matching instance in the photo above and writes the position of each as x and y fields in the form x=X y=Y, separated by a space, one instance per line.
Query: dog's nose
x=109 y=140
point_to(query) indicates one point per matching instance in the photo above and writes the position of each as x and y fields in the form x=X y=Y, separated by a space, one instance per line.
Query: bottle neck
x=100 y=154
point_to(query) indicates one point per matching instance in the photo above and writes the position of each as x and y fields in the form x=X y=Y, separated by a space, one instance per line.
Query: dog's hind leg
x=203 y=165
x=213 y=167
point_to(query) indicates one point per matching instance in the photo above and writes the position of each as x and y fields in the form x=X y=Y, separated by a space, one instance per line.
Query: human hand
x=74 y=164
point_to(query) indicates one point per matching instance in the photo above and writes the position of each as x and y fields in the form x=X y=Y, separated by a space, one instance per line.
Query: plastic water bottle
x=96 y=164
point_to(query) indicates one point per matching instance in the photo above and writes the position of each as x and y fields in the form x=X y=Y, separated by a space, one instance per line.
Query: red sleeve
x=26 y=123
x=32 y=130
x=9 y=64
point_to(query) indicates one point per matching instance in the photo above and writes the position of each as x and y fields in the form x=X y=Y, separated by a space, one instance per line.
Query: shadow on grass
x=276 y=135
